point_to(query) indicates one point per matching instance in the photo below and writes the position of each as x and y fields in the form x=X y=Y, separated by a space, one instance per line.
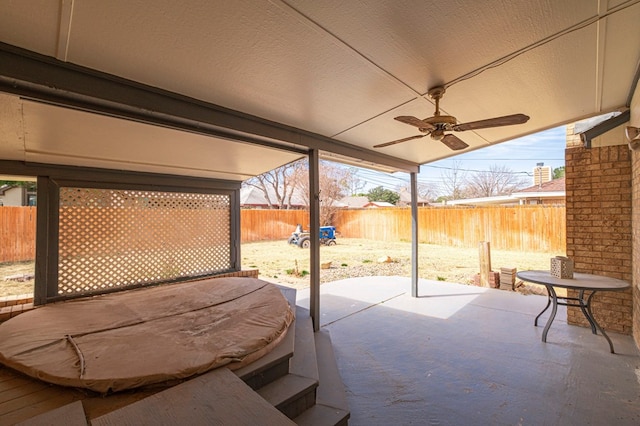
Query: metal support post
x=414 y=235
x=314 y=218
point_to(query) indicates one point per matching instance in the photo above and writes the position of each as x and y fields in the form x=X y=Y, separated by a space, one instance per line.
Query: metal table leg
x=535 y=323
x=554 y=309
x=593 y=321
x=587 y=315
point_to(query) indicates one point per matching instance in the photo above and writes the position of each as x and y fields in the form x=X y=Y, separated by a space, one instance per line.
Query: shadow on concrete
x=464 y=355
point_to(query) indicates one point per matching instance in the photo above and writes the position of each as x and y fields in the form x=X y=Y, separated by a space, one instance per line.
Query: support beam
x=42 y=78
x=44 y=211
x=414 y=235
x=604 y=127
x=314 y=218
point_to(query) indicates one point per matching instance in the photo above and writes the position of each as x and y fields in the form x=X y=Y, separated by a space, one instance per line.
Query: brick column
x=599 y=228
x=635 y=172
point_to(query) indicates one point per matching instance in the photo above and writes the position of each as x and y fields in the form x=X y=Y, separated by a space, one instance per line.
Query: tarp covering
x=134 y=338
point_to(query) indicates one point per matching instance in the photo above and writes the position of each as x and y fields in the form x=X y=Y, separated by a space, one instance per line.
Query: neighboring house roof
x=252 y=196
x=353 y=201
x=376 y=204
x=550 y=190
x=555 y=185
x=482 y=201
x=5 y=188
x=405 y=198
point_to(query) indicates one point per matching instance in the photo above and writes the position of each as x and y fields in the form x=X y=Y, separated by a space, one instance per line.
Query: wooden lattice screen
x=111 y=239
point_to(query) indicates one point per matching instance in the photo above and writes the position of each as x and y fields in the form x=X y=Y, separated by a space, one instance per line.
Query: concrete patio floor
x=464 y=355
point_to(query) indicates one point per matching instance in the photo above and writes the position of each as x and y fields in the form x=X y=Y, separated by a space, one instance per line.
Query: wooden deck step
x=68 y=415
x=331 y=390
x=23 y=397
x=321 y=415
x=295 y=392
x=290 y=394
x=276 y=363
x=217 y=397
x=331 y=406
x=272 y=366
x=304 y=362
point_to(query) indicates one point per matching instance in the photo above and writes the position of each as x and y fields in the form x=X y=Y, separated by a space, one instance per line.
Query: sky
x=518 y=155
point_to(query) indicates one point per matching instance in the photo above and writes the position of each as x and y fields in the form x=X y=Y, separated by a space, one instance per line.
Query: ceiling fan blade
x=507 y=120
x=453 y=142
x=413 y=121
x=382 y=145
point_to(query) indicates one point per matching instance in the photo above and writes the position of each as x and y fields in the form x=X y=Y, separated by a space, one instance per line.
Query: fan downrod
x=436 y=94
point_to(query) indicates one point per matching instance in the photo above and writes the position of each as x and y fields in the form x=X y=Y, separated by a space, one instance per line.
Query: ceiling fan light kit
x=436 y=125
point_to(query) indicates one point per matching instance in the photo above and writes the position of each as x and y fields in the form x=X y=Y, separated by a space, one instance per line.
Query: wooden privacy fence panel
x=272 y=224
x=17 y=234
x=524 y=228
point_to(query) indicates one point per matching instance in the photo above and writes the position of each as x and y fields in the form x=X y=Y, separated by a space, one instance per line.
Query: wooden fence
x=523 y=228
x=261 y=225
x=17 y=234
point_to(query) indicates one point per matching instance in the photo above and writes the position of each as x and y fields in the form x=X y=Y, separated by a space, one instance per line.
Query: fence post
x=485 y=264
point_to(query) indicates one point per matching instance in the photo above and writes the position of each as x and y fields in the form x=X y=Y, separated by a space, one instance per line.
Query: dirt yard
x=289 y=265
x=279 y=262
x=16 y=278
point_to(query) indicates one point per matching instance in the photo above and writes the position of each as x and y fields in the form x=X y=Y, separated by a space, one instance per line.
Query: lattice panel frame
x=120 y=238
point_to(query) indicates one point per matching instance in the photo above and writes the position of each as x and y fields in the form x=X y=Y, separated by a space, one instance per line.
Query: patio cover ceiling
x=231 y=89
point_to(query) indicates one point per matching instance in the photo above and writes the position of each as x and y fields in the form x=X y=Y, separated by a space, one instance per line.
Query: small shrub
x=441 y=278
x=367 y=261
x=344 y=264
x=296 y=272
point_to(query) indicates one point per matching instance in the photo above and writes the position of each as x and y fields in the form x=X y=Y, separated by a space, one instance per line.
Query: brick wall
x=11 y=306
x=573 y=139
x=599 y=228
x=635 y=171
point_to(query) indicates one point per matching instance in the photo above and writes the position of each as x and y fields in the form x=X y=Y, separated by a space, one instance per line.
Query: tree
x=331 y=187
x=498 y=180
x=351 y=183
x=278 y=185
x=558 y=172
x=427 y=191
x=454 y=182
x=381 y=194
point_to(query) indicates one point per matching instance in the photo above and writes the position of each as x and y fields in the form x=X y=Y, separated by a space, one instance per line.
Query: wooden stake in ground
x=485 y=263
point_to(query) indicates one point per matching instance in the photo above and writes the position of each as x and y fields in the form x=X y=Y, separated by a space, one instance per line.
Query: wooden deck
x=279 y=388
x=22 y=397
x=215 y=398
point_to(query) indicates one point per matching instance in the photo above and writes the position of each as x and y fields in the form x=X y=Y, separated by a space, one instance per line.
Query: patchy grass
x=279 y=262
x=13 y=287
x=442 y=263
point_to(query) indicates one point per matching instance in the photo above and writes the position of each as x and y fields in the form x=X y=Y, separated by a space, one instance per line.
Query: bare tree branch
x=498 y=180
x=454 y=181
x=278 y=185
